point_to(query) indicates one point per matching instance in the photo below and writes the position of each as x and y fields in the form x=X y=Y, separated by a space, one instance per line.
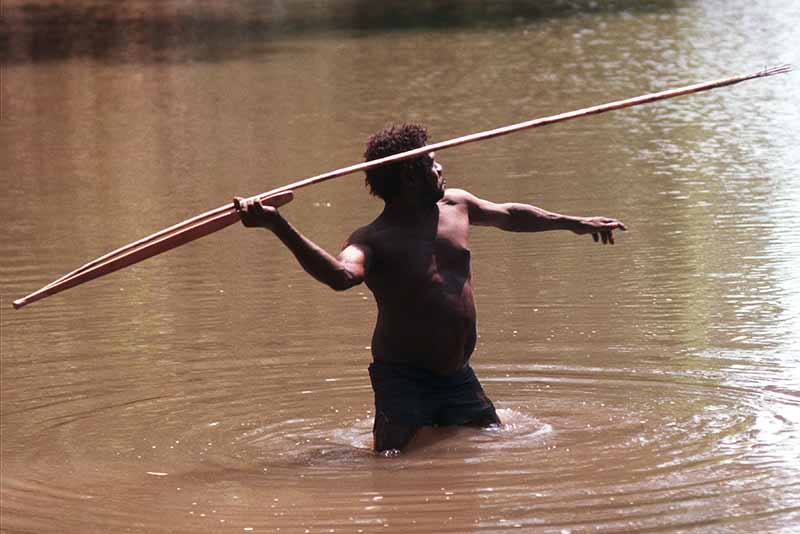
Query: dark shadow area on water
x=170 y=31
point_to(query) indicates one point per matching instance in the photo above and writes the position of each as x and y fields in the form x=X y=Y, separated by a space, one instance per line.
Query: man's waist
x=442 y=368
x=383 y=370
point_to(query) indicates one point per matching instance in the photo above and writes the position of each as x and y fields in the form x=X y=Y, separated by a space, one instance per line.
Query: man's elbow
x=339 y=285
x=343 y=282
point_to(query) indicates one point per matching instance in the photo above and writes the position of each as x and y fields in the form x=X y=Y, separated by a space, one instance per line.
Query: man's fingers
x=604 y=236
x=244 y=209
x=254 y=207
x=603 y=230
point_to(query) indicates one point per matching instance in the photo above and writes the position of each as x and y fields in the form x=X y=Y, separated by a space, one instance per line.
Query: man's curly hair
x=386 y=181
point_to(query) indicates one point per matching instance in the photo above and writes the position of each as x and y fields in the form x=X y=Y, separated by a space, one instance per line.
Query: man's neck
x=406 y=210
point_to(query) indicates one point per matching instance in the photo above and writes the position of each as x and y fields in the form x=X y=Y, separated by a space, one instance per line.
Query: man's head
x=387 y=181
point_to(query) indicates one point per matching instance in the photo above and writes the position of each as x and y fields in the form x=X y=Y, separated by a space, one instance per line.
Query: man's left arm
x=518 y=217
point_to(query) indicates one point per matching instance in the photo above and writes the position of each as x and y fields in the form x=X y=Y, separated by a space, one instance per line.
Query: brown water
x=653 y=386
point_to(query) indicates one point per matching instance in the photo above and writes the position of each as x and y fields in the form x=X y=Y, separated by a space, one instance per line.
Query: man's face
x=436 y=183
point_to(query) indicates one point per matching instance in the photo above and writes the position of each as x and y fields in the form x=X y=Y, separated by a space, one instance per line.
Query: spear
x=224 y=216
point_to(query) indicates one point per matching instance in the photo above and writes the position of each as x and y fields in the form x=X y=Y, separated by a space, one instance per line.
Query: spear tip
x=777 y=69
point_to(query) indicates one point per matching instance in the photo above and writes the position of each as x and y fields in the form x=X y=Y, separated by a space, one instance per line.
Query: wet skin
x=415 y=259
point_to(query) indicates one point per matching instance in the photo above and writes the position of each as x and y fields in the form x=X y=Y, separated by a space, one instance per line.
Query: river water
x=649 y=387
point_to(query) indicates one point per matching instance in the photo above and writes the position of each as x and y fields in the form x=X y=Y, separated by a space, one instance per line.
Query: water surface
x=653 y=386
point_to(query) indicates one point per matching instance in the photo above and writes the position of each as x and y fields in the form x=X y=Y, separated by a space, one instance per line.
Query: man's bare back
x=415 y=259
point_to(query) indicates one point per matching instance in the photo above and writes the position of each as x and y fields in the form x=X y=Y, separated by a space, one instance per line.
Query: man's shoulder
x=460 y=198
x=457 y=196
x=360 y=236
x=365 y=234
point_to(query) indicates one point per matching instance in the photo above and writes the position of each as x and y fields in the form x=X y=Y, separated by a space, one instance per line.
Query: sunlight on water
x=648 y=387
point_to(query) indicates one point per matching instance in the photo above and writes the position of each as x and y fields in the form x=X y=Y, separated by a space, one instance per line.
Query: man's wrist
x=276 y=223
x=570 y=223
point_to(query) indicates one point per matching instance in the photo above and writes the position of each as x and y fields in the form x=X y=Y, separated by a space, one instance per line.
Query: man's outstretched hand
x=601 y=228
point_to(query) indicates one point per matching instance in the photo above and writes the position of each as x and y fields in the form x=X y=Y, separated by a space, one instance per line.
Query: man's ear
x=408 y=179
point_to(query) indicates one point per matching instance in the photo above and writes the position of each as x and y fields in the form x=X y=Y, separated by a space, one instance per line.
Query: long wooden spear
x=217 y=219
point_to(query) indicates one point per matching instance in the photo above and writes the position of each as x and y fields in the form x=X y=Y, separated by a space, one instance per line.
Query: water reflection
x=209 y=32
x=649 y=387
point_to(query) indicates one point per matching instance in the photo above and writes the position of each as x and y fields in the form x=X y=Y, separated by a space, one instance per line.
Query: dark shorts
x=417 y=397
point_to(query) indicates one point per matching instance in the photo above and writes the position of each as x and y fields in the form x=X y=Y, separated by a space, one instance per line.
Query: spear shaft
x=224 y=216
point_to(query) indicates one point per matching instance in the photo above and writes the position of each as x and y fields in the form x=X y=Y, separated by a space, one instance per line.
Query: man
x=415 y=259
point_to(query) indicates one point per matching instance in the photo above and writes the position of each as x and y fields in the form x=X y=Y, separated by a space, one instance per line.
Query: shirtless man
x=415 y=259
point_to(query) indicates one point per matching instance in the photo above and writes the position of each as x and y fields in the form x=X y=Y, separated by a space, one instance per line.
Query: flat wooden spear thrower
x=226 y=215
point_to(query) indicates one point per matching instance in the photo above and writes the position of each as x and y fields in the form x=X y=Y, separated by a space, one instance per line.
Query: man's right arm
x=339 y=273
